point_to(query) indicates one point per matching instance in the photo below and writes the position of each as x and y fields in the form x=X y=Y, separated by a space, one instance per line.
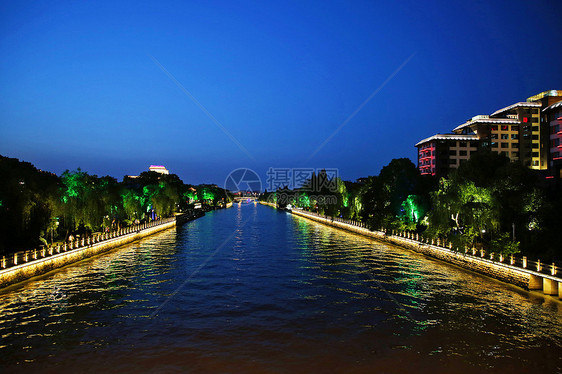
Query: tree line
x=39 y=208
x=489 y=202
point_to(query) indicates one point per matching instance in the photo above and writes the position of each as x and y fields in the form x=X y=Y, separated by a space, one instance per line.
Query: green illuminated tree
x=414 y=210
x=382 y=196
x=462 y=212
x=133 y=203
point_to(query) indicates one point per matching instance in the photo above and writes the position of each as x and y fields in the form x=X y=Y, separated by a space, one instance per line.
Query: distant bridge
x=245 y=199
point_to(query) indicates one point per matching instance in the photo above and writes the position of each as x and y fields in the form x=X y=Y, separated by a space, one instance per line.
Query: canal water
x=254 y=290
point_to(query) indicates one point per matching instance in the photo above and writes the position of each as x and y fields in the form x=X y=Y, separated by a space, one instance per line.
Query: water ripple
x=283 y=295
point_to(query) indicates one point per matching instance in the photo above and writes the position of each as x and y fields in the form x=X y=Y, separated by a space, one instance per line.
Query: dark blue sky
x=79 y=85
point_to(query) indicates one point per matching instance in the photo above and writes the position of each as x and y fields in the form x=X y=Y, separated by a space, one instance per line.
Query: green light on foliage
x=74 y=183
x=412 y=208
x=190 y=196
x=345 y=201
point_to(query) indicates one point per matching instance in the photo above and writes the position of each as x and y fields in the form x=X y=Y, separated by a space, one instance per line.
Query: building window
x=535 y=137
x=505 y=127
x=514 y=145
x=494 y=136
x=494 y=128
x=535 y=119
x=505 y=136
x=474 y=144
x=505 y=145
x=514 y=128
x=514 y=154
x=462 y=144
x=535 y=128
x=535 y=145
x=494 y=145
x=514 y=136
x=462 y=153
x=452 y=152
x=535 y=154
x=452 y=161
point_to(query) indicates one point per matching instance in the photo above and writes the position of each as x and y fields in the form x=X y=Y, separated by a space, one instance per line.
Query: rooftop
x=159 y=169
x=448 y=137
x=544 y=94
x=521 y=104
x=553 y=106
x=484 y=119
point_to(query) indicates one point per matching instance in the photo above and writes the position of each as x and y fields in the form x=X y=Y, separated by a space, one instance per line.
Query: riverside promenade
x=529 y=275
x=24 y=265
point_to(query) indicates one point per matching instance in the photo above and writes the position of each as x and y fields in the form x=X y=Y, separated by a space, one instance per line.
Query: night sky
x=113 y=87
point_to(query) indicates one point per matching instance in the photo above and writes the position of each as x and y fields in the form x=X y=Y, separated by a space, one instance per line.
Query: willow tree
x=134 y=204
x=28 y=201
x=77 y=198
x=463 y=212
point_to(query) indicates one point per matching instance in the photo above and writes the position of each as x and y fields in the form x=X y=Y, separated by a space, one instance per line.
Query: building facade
x=553 y=118
x=158 y=169
x=532 y=138
x=438 y=154
x=521 y=131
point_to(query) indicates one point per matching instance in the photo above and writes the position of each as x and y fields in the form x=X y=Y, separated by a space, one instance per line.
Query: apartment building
x=440 y=153
x=553 y=119
x=520 y=131
x=532 y=138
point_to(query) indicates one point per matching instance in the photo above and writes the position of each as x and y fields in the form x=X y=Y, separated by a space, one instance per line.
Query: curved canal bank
x=22 y=266
x=505 y=272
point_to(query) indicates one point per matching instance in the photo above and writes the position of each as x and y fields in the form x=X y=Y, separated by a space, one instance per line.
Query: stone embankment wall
x=483 y=266
x=524 y=278
x=52 y=260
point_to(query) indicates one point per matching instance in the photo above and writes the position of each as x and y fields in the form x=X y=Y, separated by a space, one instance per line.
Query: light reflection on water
x=283 y=295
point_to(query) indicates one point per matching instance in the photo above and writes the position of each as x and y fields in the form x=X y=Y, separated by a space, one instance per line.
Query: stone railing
x=533 y=275
x=23 y=257
x=553 y=268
